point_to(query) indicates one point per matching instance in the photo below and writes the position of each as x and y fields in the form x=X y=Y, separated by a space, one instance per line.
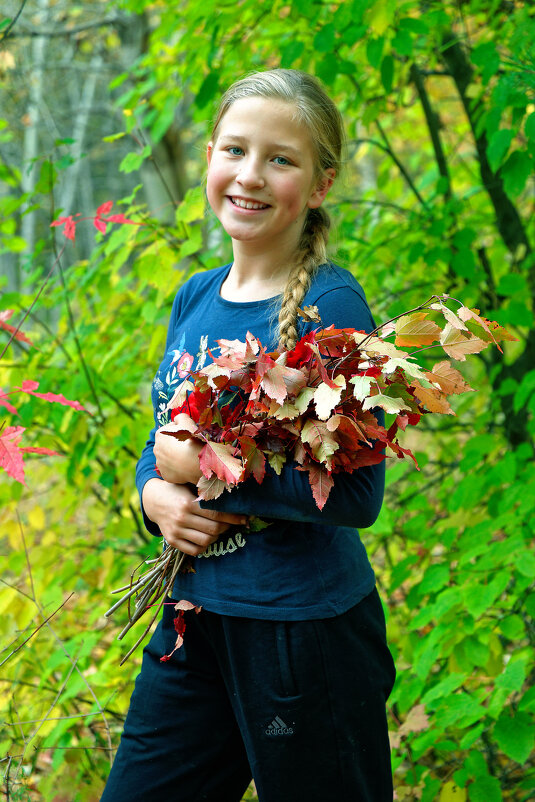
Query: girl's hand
x=182 y=521
x=177 y=460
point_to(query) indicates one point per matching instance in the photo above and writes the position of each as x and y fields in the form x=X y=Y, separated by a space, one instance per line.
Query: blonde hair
x=315 y=109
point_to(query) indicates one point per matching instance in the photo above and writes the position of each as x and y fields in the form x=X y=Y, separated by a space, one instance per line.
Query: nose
x=250 y=174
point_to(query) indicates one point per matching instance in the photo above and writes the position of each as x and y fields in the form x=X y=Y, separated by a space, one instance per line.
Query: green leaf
x=513 y=677
x=374 y=51
x=512 y=284
x=47 y=179
x=525 y=563
x=485 y=789
x=486 y=57
x=192 y=207
x=208 y=90
x=387 y=72
x=291 y=52
x=413 y=24
x=402 y=43
x=498 y=146
x=435 y=578
x=114 y=137
x=133 y=161
x=478 y=598
x=324 y=41
x=515 y=735
x=529 y=126
x=515 y=172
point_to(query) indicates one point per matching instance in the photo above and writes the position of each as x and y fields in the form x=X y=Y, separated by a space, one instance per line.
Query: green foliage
x=436 y=198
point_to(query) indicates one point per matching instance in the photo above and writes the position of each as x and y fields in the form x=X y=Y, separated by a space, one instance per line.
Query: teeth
x=248 y=204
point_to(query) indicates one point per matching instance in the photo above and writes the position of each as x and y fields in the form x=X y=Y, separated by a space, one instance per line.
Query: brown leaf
x=416 y=721
x=450 y=380
x=458 y=346
x=321 y=483
x=310 y=313
x=433 y=399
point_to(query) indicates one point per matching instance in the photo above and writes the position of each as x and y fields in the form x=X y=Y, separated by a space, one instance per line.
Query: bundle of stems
x=147 y=591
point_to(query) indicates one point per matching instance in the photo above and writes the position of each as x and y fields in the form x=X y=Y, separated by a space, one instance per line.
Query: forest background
x=105 y=101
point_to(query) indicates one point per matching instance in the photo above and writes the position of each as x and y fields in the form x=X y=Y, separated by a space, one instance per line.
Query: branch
x=7 y=31
x=508 y=219
x=34 y=32
x=35 y=630
x=432 y=120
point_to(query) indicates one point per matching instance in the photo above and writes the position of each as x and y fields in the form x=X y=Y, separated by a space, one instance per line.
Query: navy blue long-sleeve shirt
x=308 y=563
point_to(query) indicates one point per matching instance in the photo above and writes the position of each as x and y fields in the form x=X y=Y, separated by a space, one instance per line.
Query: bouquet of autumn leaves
x=312 y=406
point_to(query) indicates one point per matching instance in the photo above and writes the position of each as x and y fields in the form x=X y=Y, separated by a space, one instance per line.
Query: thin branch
x=34 y=32
x=432 y=120
x=73 y=326
x=9 y=28
x=35 y=630
x=400 y=166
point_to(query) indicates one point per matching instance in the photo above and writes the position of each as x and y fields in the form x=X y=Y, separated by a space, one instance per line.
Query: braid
x=312 y=254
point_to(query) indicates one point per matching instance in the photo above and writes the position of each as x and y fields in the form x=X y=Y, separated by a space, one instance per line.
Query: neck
x=254 y=276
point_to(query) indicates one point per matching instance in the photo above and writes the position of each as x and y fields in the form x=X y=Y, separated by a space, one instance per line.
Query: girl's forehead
x=266 y=117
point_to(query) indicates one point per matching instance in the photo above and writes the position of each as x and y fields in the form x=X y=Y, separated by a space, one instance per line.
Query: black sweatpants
x=298 y=705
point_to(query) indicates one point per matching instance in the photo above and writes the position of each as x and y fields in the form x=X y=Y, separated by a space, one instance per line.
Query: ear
x=322 y=187
x=209 y=149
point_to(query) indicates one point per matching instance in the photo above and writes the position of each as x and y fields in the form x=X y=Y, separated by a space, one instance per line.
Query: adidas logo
x=278 y=727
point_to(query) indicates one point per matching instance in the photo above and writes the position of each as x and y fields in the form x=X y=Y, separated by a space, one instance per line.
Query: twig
x=13 y=21
x=36 y=630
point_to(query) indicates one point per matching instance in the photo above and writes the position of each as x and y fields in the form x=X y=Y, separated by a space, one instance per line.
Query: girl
x=285 y=673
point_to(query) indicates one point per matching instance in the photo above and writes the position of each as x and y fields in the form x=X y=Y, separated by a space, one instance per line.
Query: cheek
x=215 y=183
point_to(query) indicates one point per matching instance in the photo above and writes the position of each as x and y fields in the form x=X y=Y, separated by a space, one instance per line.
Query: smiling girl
x=284 y=675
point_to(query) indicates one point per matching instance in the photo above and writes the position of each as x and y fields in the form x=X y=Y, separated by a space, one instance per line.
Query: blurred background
x=112 y=101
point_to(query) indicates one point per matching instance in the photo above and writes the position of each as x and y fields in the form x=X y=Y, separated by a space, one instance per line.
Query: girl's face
x=261 y=174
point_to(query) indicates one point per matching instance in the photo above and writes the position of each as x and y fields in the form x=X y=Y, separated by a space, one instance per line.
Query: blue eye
x=232 y=150
x=281 y=160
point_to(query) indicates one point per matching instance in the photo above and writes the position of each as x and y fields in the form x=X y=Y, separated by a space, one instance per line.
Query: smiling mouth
x=245 y=204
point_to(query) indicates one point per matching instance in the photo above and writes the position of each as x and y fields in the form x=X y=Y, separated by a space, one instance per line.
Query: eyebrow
x=272 y=146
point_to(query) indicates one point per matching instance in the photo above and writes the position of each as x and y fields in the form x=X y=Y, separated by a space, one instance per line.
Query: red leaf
x=29 y=387
x=99 y=224
x=255 y=461
x=70 y=226
x=104 y=208
x=5 y=403
x=10 y=455
x=18 y=335
x=40 y=450
x=218 y=458
x=321 y=483
x=120 y=218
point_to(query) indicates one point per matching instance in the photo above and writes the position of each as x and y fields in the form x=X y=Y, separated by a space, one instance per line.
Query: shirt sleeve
x=355 y=499
x=146 y=466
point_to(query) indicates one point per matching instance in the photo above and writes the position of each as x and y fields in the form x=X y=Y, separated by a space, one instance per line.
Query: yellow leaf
x=50 y=538
x=452 y=793
x=416 y=330
x=36 y=518
x=380 y=16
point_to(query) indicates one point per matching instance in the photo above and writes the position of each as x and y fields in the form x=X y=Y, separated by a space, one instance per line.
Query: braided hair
x=315 y=109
